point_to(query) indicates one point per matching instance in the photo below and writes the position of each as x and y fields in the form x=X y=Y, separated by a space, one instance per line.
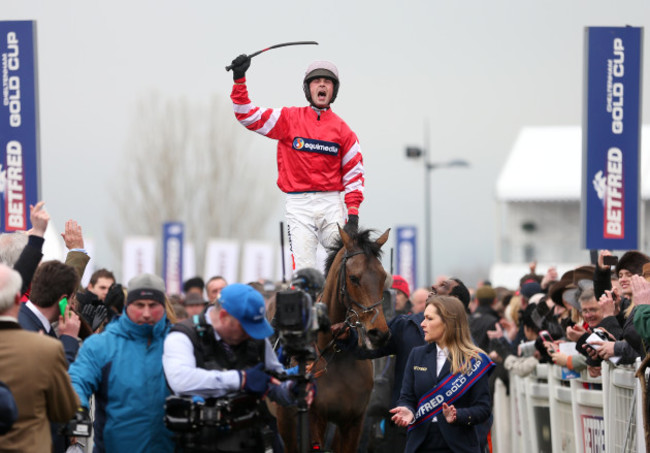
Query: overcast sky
x=474 y=71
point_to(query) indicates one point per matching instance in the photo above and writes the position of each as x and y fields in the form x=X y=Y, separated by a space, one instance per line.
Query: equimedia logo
x=316 y=146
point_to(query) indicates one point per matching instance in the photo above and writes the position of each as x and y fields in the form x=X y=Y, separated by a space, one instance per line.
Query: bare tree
x=192 y=163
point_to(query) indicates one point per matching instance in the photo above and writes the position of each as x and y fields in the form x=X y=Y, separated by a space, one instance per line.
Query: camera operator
x=226 y=356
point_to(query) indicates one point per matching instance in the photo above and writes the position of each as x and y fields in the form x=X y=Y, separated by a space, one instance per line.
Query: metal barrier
x=550 y=411
x=621 y=391
x=561 y=409
x=503 y=424
x=519 y=415
x=537 y=405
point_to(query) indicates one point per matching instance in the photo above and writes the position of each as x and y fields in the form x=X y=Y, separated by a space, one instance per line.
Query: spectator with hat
x=403 y=305
x=122 y=367
x=194 y=304
x=630 y=345
x=528 y=289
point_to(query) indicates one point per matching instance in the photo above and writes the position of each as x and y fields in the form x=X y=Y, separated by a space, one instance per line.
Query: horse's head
x=358 y=278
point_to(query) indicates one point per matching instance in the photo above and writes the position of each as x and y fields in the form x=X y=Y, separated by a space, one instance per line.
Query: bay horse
x=353 y=293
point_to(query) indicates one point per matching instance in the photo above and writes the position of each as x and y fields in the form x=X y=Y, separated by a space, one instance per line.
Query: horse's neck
x=335 y=308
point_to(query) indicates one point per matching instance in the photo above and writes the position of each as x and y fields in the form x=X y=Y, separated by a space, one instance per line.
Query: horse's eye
x=355 y=280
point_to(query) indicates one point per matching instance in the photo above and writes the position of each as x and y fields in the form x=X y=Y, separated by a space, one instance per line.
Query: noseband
x=343 y=295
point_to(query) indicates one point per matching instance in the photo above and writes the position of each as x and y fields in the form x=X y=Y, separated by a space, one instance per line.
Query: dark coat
x=482 y=320
x=28 y=261
x=406 y=334
x=473 y=408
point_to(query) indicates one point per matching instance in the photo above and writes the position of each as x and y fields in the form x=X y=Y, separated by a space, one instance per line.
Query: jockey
x=318 y=157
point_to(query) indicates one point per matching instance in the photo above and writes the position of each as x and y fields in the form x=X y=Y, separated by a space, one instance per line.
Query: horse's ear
x=381 y=240
x=345 y=237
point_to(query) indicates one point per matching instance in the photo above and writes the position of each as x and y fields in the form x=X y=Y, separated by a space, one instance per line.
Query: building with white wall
x=538 y=203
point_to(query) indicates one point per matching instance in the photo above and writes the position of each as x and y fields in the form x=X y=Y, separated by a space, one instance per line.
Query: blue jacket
x=122 y=366
x=473 y=408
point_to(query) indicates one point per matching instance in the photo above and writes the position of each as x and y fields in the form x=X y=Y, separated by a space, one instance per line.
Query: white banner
x=258 y=261
x=139 y=257
x=222 y=258
x=189 y=261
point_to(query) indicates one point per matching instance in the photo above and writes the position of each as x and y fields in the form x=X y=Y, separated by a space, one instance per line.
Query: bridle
x=352 y=316
x=350 y=312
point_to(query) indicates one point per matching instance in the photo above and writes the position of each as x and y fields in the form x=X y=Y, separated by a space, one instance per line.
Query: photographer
x=225 y=356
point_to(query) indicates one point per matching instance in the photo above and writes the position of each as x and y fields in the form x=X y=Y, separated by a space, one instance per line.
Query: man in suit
x=34 y=369
x=52 y=282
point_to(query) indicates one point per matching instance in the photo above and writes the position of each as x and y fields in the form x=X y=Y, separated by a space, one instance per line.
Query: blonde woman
x=445 y=392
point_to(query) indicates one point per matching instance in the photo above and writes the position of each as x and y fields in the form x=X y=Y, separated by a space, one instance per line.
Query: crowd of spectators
x=90 y=337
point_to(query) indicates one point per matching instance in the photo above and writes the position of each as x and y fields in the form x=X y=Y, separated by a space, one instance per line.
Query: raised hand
x=640 y=290
x=240 y=65
x=606 y=303
x=72 y=235
x=39 y=218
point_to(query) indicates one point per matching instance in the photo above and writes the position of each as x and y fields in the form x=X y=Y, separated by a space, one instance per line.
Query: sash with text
x=450 y=389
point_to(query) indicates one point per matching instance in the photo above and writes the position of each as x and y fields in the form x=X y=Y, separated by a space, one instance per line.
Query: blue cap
x=246 y=305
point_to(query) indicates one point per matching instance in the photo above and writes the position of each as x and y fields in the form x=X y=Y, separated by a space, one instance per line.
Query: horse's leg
x=288 y=428
x=347 y=438
x=317 y=428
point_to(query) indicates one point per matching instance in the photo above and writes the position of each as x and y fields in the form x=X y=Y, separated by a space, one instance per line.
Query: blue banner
x=611 y=138
x=406 y=256
x=173 y=257
x=19 y=177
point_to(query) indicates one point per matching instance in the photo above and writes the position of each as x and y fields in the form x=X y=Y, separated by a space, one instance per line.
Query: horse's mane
x=362 y=239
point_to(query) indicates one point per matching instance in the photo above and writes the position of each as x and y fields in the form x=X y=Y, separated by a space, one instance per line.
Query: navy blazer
x=29 y=321
x=406 y=334
x=473 y=408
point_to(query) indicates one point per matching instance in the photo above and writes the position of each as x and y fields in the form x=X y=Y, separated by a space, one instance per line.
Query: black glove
x=257 y=381
x=239 y=66
x=101 y=313
x=115 y=299
x=94 y=313
x=353 y=224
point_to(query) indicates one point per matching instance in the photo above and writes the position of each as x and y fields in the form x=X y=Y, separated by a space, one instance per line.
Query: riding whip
x=284 y=270
x=284 y=44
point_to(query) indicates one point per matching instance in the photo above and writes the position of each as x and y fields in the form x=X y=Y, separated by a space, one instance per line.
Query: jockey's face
x=321 y=90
